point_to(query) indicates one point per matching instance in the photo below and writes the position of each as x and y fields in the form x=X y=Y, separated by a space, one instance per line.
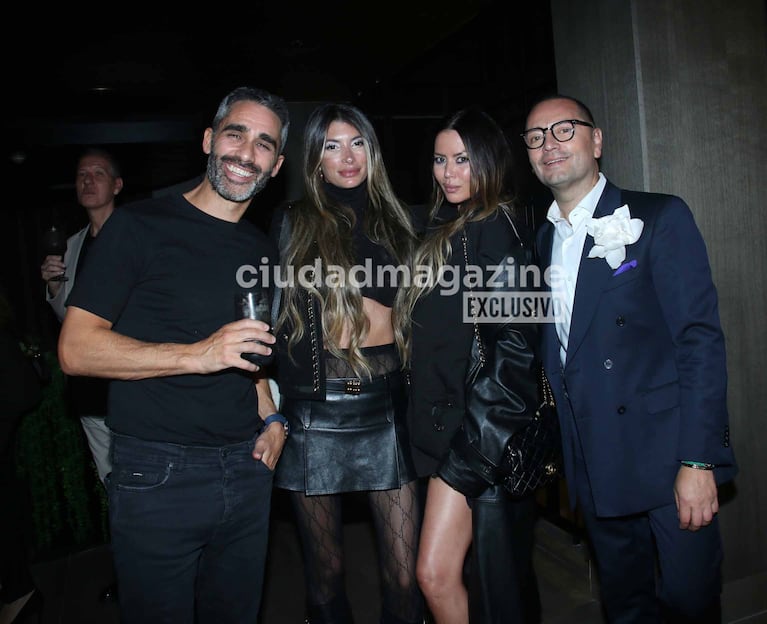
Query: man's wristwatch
x=277 y=417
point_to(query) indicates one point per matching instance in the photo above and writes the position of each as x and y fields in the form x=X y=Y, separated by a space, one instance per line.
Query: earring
x=322 y=176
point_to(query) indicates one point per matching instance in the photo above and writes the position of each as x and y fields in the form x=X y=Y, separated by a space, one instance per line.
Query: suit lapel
x=592 y=277
x=545 y=242
x=550 y=340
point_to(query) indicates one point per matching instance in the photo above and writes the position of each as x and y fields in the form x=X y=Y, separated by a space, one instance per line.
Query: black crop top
x=376 y=282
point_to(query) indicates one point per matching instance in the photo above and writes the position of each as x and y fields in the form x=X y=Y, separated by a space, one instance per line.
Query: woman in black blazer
x=473 y=382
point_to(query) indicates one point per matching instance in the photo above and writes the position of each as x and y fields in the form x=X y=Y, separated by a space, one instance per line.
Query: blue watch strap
x=277 y=417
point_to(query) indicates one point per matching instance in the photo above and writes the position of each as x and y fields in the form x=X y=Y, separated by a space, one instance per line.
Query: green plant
x=68 y=503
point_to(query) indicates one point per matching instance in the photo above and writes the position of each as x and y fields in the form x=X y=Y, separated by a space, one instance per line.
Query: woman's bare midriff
x=381 y=331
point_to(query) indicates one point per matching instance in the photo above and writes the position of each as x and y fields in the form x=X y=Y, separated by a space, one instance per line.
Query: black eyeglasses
x=562 y=131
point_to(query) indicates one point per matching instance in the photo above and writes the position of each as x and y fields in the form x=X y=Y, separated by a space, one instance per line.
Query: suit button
x=608 y=363
x=622 y=409
x=620 y=321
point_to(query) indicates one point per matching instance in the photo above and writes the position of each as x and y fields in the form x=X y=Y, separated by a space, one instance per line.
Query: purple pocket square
x=626 y=266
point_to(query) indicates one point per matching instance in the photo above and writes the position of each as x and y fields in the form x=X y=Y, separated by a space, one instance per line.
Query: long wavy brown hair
x=322 y=228
x=492 y=190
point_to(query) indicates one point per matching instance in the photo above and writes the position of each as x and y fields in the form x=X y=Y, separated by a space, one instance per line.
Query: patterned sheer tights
x=396 y=518
x=397 y=525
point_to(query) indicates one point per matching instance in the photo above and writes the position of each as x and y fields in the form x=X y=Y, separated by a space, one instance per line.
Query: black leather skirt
x=354 y=440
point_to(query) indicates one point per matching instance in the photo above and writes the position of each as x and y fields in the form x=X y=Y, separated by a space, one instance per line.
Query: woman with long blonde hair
x=340 y=363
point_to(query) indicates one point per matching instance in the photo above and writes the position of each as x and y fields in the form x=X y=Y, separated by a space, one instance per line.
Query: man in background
x=97 y=183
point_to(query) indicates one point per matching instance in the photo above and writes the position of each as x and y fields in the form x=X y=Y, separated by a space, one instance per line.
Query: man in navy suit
x=636 y=361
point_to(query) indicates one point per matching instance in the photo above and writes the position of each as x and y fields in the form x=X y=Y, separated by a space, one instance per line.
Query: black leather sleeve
x=503 y=396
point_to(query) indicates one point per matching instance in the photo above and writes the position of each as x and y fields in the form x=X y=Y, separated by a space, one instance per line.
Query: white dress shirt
x=566 y=252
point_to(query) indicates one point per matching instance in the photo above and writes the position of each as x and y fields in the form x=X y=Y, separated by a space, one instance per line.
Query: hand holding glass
x=254 y=304
x=54 y=243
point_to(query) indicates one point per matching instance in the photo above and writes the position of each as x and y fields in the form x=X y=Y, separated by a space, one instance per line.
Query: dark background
x=146 y=86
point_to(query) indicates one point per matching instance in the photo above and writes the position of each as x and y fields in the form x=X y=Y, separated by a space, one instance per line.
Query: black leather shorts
x=354 y=440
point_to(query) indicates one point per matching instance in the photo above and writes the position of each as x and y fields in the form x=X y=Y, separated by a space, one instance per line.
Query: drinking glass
x=254 y=304
x=54 y=243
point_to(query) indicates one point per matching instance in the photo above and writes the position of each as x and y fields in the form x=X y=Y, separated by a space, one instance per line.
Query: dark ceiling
x=147 y=84
x=138 y=63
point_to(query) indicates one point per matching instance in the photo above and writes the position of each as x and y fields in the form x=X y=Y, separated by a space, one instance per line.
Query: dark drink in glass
x=254 y=304
x=54 y=243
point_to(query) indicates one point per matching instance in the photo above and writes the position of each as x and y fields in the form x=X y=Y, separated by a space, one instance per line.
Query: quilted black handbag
x=533 y=455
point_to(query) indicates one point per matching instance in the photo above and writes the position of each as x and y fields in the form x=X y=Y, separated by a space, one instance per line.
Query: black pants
x=501 y=580
x=650 y=570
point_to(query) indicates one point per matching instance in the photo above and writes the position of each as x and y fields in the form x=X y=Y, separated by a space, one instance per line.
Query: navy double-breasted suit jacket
x=644 y=384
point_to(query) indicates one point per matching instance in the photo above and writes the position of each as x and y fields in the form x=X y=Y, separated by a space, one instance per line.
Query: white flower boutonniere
x=612 y=233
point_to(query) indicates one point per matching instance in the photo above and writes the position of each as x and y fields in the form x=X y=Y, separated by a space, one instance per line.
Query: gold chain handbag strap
x=548 y=395
x=480 y=346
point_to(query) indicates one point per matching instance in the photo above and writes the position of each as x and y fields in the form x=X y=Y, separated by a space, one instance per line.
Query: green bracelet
x=698 y=465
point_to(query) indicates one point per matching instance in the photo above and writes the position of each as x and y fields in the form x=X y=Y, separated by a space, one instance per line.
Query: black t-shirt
x=163 y=271
x=88 y=394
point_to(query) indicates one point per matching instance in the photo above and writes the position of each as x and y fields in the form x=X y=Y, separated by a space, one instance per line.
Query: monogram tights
x=396 y=518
